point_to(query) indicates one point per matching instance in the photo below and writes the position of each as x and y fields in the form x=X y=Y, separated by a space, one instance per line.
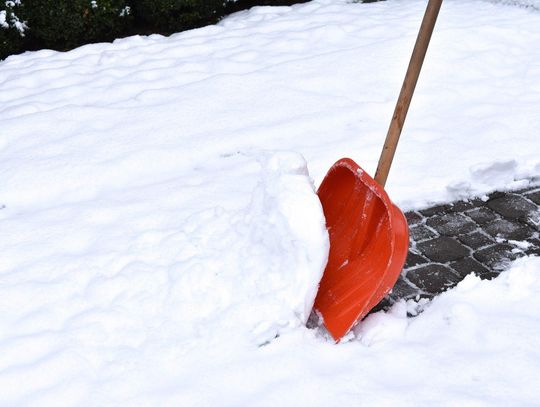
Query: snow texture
x=161 y=239
x=533 y=4
x=14 y=20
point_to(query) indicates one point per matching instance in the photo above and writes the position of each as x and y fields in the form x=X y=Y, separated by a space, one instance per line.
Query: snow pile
x=478 y=344
x=475 y=345
x=319 y=78
x=252 y=272
x=467 y=314
x=90 y=286
x=533 y=4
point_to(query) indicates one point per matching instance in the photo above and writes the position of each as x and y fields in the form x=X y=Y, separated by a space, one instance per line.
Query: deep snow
x=159 y=225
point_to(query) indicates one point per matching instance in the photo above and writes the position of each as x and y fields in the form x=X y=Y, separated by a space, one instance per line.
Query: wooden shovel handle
x=407 y=90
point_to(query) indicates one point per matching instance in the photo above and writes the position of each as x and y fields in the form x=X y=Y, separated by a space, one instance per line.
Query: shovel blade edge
x=369 y=241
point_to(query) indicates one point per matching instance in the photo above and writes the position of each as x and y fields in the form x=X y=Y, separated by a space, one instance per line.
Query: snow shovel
x=369 y=237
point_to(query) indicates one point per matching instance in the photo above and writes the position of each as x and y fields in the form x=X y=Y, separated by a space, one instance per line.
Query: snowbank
x=533 y=4
x=132 y=275
x=475 y=345
x=319 y=78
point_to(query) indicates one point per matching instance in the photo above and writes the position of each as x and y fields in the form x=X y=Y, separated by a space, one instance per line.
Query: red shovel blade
x=369 y=240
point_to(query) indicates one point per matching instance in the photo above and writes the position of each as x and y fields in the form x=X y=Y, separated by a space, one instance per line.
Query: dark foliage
x=168 y=16
x=12 y=29
x=65 y=24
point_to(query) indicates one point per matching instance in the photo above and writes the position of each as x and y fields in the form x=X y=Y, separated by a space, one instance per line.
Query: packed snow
x=161 y=237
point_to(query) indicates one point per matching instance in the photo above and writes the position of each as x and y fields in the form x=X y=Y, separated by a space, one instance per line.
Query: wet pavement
x=483 y=236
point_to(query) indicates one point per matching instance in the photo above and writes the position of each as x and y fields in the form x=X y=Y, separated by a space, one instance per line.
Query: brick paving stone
x=534 y=196
x=496 y=194
x=414 y=259
x=403 y=290
x=528 y=189
x=443 y=249
x=462 y=206
x=468 y=265
x=512 y=206
x=385 y=303
x=534 y=220
x=451 y=224
x=436 y=210
x=535 y=241
x=482 y=215
x=509 y=230
x=420 y=232
x=534 y=249
x=495 y=257
x=413 y=218
x=476 y=240
x=470 y=241
x=433 y=278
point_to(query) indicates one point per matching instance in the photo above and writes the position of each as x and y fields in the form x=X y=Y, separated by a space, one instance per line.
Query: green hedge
x=168 y=16
x=65 y=24
x=12 y=28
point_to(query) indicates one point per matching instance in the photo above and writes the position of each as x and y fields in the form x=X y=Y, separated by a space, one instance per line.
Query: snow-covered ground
x=158 y=226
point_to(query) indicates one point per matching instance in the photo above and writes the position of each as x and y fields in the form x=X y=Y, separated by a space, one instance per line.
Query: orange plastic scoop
x=369 y=240
x=368 y=234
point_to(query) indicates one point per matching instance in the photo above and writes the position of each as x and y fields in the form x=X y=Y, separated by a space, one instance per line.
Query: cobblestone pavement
x=447 y=242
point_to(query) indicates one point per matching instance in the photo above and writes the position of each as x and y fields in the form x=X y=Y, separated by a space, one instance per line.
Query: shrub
x=168 y=16
x=63 y=24
x=12 y=28
x=237 y=5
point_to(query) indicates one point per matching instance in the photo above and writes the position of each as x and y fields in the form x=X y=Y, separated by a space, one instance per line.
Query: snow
x=161 y=239
x=14 y=20
x=534 y=4
x=3 y=22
